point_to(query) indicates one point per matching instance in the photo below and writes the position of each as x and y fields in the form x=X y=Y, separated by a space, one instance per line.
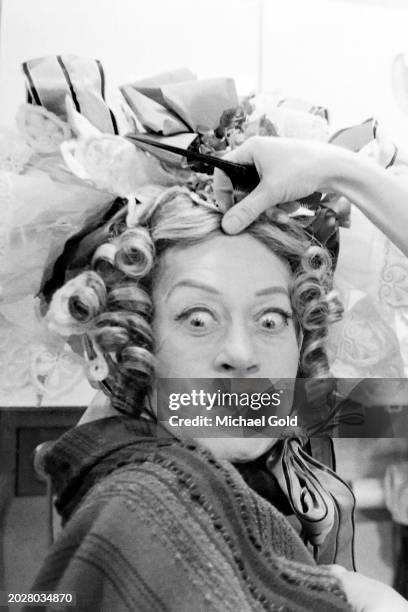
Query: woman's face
x=222 y=310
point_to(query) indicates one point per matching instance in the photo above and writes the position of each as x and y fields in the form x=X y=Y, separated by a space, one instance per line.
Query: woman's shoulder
x=169 y=478
x=119 y=461
x=166 y=521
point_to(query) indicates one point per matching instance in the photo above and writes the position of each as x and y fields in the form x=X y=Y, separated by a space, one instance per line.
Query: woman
x=167 y=524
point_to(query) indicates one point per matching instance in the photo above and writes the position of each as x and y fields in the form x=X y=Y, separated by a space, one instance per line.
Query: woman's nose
x=236 y=353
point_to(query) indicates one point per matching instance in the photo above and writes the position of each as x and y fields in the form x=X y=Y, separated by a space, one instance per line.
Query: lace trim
x=30 y=356
x=15 y=153
x=393 y=289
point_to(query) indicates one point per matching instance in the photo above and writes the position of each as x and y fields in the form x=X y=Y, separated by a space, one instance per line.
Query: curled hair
x=121 y=304
x=88 y=299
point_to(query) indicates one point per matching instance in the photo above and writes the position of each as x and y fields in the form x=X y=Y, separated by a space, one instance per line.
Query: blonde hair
x=118 y=304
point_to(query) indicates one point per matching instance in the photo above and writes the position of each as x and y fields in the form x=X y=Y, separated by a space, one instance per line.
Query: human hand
x=368 y=595
x=289 y=169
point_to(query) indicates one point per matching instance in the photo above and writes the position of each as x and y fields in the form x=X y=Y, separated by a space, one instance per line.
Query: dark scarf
x=296 y=482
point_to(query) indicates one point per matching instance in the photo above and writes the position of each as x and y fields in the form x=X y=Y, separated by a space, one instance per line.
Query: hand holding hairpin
x=244 y=177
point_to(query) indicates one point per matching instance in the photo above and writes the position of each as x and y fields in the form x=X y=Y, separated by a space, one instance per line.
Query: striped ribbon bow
x=50 y=79
x=320 y=499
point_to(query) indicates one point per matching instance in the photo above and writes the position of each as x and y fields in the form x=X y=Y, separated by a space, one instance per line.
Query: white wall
x=338 y=54
x=335 y=52
x=133 y=38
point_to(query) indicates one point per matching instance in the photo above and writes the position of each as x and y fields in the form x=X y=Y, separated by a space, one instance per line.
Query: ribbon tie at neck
x=320 y=499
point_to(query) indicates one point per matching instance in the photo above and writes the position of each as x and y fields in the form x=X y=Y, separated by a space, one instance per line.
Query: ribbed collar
x=85 y=454
x=77 y=451
x=80 y=449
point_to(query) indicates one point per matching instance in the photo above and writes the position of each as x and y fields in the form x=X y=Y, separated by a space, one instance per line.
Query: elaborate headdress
x=69 y=174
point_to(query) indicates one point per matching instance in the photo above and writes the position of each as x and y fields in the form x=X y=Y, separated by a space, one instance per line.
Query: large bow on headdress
x=176 y=108
x=179 y=109
x=49 y=80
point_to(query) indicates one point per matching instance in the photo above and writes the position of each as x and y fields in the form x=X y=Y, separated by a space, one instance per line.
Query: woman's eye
x=198 y=319
x=274 y=320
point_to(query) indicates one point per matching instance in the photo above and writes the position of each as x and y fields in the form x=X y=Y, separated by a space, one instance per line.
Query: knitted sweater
x=159 y=525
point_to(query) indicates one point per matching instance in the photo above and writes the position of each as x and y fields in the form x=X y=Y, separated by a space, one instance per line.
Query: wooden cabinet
x=22 y=494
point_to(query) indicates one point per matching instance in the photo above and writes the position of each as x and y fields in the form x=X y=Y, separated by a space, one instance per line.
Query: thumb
x=223 y=190
x=222 y=184
x=247 y=210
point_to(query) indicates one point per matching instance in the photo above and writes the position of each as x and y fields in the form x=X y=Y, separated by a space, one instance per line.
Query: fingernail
x=232 y=224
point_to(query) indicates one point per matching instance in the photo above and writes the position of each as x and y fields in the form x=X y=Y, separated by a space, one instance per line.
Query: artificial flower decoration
x=112 y=163
x=293 y=118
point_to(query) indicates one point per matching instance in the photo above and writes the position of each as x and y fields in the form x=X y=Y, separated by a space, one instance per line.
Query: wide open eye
x=274 y=320
x=198 y=320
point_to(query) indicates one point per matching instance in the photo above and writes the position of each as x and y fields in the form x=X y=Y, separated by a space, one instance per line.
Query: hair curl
x=121 y=306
